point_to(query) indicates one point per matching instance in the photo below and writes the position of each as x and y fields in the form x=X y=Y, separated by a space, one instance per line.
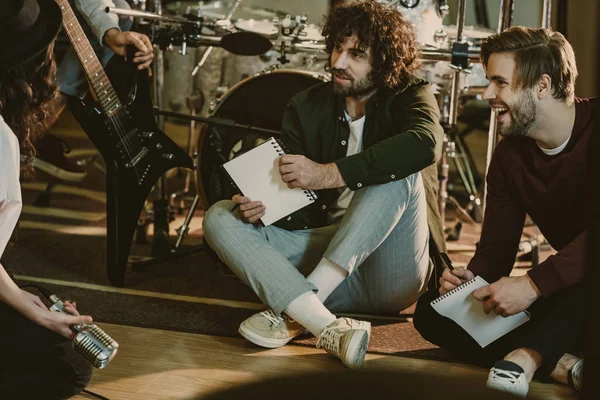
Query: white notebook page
x=256 y=174
x=463 y=308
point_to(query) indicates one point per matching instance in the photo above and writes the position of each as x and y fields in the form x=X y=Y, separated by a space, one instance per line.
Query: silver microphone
x=90 y=341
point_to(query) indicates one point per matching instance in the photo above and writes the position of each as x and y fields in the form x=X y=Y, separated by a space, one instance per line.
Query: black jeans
x=555 y=328
x=37 y=363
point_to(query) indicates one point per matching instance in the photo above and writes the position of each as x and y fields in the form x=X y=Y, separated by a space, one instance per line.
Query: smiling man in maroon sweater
x=540 y=168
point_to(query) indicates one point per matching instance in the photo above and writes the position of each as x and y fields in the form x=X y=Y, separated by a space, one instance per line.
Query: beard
x=522 y=113
x=357 y=88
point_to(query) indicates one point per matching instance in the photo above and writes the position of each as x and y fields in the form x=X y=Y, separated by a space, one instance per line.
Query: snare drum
x=258 y=101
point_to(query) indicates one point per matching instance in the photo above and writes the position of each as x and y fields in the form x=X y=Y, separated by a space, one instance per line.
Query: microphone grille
x=95 y=345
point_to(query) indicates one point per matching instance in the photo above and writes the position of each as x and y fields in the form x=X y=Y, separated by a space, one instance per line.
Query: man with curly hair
x=367 y=143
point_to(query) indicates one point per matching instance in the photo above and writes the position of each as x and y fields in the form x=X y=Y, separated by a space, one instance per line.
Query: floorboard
x=156 y=364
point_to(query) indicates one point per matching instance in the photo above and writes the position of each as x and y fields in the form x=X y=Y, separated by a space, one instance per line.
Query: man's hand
x=508 y=296
x=251 y=211
x=450 y=279
x=300 y=172
x=117 y=41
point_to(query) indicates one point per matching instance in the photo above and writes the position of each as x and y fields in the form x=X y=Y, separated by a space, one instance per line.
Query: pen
x=447 y=261
x=235 y=207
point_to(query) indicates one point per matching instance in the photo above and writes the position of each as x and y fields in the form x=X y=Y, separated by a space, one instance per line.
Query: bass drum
x=258 y=101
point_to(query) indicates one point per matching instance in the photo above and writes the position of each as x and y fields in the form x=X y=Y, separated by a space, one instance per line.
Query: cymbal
x=218 y=9
x=246 y=43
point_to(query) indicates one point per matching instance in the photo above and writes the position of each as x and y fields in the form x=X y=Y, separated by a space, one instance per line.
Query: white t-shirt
x=10 y=188
x=556 y=150
x=355 y=145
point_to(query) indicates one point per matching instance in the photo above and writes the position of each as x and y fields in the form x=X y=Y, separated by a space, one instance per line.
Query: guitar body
x=137 y=153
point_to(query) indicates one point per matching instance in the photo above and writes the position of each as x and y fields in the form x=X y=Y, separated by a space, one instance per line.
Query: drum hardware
x=182 y=231
x=246 y=44
x=294 y=26
x=217 y=121
x=194 y=105
x=188 y=30
x=547 y=14
x=460 y=64
x=138 y=5
x=209 y=49
x=151 y=16
x=434 y=54
x=504 y=22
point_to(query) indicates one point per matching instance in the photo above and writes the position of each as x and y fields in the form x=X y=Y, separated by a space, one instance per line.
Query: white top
x=355 y=145
x=556 y=150
x=10 y=189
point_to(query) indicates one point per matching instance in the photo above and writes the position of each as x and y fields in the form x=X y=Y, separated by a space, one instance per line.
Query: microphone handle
x=95 y=345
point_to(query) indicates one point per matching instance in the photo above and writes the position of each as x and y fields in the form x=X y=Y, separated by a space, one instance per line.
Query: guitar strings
x=118 y=128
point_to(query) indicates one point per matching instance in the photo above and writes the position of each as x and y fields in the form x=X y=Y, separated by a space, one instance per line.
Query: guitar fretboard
x=107 y=97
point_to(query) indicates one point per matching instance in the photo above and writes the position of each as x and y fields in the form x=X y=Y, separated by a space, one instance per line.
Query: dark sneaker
x=51 y=159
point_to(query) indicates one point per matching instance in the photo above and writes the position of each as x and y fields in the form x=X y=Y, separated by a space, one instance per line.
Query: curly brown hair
x=384 y=30
x=26 y=91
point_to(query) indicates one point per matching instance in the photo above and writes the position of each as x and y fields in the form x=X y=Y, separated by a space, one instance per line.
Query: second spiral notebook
x=461 y=306
x=256 y=175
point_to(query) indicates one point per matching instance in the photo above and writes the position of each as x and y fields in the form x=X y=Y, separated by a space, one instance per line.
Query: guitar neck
x=101 y=86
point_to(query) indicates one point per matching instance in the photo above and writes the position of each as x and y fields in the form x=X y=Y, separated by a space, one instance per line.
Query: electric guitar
x=136 y=152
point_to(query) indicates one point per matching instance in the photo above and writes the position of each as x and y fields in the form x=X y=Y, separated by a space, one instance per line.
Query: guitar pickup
x=137 y=158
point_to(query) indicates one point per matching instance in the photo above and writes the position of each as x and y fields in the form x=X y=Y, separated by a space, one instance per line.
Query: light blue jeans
x=70 y=77
x=382 y=241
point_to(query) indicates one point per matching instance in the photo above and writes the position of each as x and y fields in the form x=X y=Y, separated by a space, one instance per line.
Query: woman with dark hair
x=38 y=360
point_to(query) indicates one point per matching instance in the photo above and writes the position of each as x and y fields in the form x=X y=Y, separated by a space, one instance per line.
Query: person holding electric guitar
x=109 y=35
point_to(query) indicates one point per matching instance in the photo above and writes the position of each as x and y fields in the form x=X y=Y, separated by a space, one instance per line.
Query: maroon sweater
x=554 y=191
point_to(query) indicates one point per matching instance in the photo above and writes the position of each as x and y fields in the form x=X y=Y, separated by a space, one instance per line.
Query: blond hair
x=537 y=51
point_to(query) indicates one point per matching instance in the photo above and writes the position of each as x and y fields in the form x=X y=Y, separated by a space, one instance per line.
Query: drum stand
x=460 y=64
x=161 y=213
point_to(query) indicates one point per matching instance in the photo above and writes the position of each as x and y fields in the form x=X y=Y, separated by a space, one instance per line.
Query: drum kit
x=233 y=67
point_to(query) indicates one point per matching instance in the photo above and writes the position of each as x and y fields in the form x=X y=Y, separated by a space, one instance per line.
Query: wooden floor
x=156 y=364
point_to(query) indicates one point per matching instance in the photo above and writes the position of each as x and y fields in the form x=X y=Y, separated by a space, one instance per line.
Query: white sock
x=326 y=277
x=310 y=313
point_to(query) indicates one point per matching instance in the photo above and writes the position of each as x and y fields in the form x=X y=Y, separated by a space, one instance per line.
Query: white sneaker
x=268 y=330
x=345 y=343
x=508 y=377
x=355 y=324
x=575 y=375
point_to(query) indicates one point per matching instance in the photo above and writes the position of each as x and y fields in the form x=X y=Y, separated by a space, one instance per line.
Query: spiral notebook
x=256 y=175
x=464 y=309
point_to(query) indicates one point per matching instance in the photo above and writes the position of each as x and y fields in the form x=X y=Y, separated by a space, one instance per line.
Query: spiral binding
x=450 y=293
x=282 y=150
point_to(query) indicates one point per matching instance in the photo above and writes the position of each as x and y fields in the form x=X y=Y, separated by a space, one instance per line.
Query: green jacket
x=401 y=135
